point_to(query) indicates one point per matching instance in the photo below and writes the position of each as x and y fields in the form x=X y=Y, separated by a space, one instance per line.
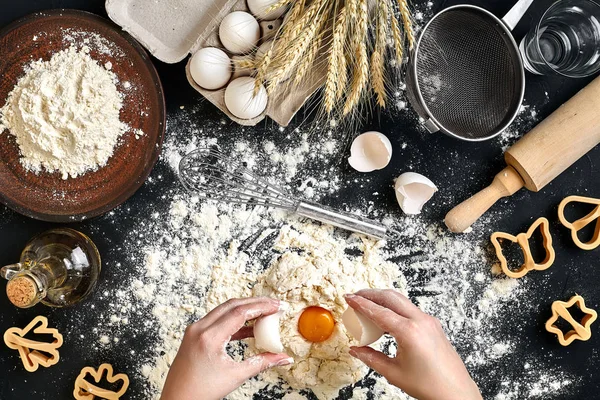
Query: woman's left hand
x=202 y=368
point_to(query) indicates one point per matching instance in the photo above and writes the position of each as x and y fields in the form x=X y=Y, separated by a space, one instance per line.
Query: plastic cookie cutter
x=88 y=389
x=581 y=223
x=581 y=330
x=522 y=239
x=34 y=353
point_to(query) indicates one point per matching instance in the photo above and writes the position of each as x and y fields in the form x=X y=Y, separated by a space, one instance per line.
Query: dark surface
x=460 y=168
x=48 y=196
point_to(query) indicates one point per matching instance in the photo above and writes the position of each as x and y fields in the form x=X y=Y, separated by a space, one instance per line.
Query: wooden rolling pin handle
x=461 y=217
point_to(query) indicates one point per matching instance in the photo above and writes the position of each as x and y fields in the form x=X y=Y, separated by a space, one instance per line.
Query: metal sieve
x=466 y=76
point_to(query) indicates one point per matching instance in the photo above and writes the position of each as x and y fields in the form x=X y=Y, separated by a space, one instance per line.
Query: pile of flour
x=64 y=114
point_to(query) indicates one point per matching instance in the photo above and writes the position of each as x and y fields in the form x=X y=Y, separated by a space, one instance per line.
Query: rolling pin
x=539 y=156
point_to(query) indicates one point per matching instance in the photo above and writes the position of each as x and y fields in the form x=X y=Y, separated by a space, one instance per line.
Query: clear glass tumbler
x=565 y=41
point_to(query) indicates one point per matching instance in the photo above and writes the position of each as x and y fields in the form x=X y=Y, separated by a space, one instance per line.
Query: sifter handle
x=346 y=221
x=512 y=18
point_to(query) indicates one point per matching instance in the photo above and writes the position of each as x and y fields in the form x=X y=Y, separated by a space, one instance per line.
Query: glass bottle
x=58 y=267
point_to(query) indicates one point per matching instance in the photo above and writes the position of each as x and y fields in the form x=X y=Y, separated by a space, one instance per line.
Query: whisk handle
x=345 y=221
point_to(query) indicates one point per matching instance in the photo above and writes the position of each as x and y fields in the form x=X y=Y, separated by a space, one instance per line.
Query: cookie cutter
x=522 y=239
x=581 y=223
x=86 y=390
x=34 y=353
x=580 y=331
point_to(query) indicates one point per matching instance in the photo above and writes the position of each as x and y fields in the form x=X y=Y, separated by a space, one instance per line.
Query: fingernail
x=284 y=305
x=350 y=296
x=352 y=352
x=284 y=362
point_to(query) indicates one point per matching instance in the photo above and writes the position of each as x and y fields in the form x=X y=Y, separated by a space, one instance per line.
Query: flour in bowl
x=64 y=114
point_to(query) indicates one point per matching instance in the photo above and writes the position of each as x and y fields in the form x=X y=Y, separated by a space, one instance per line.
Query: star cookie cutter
x=89 y=390
x=580 y=331
x=522 y=239
x=581 y=223
x=34 y=353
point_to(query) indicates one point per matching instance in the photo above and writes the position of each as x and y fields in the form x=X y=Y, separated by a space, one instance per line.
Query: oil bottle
x=59 y=267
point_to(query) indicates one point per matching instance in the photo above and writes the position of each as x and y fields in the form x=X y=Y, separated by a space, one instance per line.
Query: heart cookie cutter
x=522 y=239
x=581 y=223
x=34 y=353
x=86 y=390
x=581 y=331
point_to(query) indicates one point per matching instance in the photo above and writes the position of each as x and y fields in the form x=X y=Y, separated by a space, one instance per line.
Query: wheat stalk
x=407 y=21
x=378 y=56
x=308 y=61
x=245 y=63
x=361 y=69
x=278 y=5
x=396 y=36
x=337 y=62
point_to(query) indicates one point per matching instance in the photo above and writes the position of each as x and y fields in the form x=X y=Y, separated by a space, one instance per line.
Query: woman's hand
x=426 y=365
x=202 y=369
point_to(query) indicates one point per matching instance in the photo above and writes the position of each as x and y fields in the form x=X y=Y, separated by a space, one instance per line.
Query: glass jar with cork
x=58 y=268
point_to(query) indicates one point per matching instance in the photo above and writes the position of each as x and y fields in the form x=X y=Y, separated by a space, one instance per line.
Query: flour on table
x=64 y=114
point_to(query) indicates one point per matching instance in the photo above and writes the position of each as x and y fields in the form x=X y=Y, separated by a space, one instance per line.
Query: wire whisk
x=212 y=175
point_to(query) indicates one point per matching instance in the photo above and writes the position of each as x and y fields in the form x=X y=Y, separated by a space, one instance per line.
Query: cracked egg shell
x=370 y=151
x=361 y=328
x=413 y=191
x=267 y=335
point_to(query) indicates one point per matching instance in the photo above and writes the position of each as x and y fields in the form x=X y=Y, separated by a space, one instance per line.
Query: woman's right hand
x=426 y=366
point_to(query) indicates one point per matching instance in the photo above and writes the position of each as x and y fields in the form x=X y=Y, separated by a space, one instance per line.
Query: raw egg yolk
x=316 y=324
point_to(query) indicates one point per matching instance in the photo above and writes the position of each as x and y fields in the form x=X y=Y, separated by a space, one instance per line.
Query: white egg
x=370 y=151
x=241 y=101
x=260 y=9
x=239 y=32
x=210 y=68
x=361 y=328
x=413 y=191
x=267 y=335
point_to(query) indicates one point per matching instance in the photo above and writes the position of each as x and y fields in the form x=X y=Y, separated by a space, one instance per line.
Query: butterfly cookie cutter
x=581 y=223
x=34 y=353
x=581 y=330
x=89 y=390
x=522 y=239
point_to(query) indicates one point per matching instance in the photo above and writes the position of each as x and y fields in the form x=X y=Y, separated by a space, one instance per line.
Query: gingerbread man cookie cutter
x=34 y=353
x=89 y=390
x=522 y=239
x=581 y=223
x=581 y=330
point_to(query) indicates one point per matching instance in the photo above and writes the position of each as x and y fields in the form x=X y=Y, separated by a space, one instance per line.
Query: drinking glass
x=565 y=41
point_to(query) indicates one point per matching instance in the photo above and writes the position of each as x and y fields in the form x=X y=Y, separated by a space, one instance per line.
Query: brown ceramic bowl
x=47 y=196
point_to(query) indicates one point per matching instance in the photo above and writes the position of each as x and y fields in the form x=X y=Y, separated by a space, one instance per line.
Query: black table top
x=463 y=167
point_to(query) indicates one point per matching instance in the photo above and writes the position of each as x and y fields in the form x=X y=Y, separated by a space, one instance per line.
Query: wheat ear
x=397 y=37
x=378 y=56
x=407 y=21
x=309 y=60
x=278 y=5
x=360 y=75
x=261 y=69
x=337 y=62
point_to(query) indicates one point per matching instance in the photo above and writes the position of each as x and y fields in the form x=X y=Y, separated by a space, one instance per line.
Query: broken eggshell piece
x=370 y=151
x=413 y=191
x=361 y=328
x=267 y=335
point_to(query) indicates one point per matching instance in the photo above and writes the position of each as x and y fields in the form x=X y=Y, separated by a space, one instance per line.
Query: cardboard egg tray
x=172 y=29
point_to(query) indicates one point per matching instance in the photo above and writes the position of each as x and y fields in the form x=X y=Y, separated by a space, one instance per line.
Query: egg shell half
x=370 y=151
x=361 y=328
x=239 y=32
x=241 y=101
x=267 y=335
x=211 y=68
x=413 y=191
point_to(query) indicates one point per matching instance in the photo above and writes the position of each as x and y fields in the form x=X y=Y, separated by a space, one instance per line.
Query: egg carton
x=173 y=29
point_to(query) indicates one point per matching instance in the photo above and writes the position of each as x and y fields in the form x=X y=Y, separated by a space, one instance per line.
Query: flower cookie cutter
x=580 y=331
x=89 y=390
x=522 y=239
x=34 y=353
x=581 y=223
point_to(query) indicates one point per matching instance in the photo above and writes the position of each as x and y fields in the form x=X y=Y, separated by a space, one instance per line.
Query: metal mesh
x=468 y=73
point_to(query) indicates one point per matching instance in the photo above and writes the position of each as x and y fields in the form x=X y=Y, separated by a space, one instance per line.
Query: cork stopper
x=22 y=291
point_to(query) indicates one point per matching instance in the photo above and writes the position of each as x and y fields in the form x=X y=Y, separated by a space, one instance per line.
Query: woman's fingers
x=393 y=300
x=244 y=333
x=231 y=322
x=374 y=359
x=384 y=318
x=255 y=365
x=230 y=305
